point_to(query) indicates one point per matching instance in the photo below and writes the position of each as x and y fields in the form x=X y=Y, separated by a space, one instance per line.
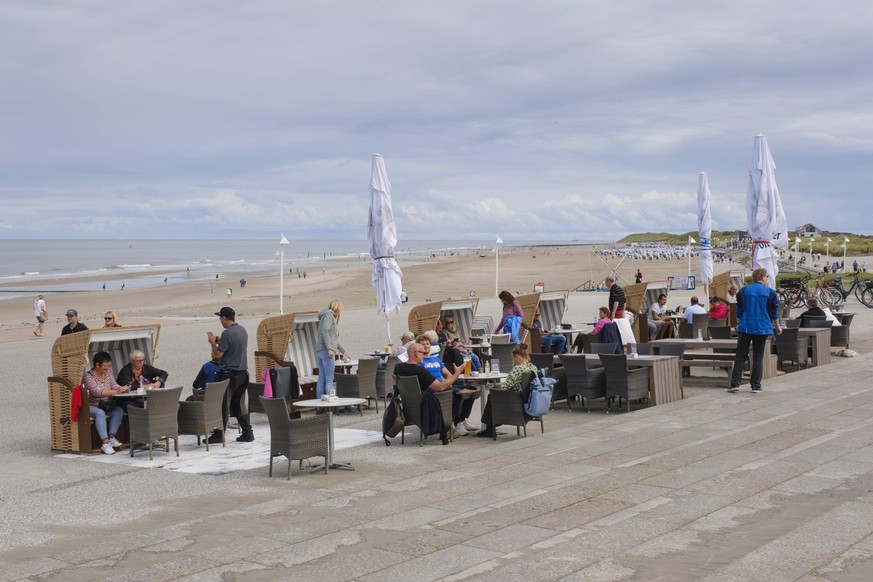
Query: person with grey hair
x=405 y=339
x=812 y=309
x=137 y=374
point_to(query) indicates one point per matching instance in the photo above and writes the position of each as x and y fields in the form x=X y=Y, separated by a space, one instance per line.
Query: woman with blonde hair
x=109 y=320
x=327 y=345
x=520 y=364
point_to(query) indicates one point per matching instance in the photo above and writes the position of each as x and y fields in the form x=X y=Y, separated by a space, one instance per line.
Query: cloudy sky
x=554 y=119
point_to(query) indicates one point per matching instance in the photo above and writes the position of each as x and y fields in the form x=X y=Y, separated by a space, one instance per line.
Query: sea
x=56 y=266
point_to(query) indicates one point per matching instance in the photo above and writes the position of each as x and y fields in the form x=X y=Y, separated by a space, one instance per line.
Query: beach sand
x=197 y=511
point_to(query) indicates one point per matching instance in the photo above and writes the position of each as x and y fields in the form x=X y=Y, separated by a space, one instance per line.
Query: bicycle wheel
x=797 y=297
x=829 y=297
x=867 y=297
x=859 y=292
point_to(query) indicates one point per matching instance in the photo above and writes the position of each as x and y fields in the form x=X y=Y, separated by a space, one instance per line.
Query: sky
x=551 y=120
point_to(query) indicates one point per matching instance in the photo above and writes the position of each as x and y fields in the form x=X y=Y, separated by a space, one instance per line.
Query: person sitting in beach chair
x=660 y=324
x=447 y=331
x=547 y=339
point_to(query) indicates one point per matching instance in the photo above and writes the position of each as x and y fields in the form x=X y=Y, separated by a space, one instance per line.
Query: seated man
x=426 y=380
x=206 y=374
x=812 y=309
x=660 y=324
x=461 y=407
x=406 y=338
x=547 y=340
x=694 y=309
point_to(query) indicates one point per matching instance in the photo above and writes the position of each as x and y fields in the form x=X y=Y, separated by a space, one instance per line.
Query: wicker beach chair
x=424 y=317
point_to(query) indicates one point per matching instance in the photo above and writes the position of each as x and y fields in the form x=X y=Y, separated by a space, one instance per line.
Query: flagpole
x=497 y=266
x=282 y=242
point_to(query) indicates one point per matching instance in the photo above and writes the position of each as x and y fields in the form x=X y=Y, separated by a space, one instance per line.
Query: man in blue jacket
x=758 y=315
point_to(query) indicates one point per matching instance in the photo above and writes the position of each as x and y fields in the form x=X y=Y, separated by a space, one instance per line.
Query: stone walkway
x=776 y=486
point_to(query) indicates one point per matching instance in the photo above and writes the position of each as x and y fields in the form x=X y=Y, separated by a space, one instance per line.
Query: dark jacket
x=150 y=373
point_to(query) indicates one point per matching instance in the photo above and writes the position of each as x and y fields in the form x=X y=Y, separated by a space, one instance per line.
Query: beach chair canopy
x=301 y=349
x=552 y=305
x=464 y=311
x=274 y=337
x=119 y=342
x=529 y=303
x=722 y=282
x=639 y=297
x=424 y=317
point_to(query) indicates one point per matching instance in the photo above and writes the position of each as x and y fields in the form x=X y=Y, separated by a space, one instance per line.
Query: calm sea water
x=147 y=263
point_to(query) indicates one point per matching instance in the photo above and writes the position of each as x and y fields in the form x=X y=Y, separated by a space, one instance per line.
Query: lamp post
x=811 y=240
x=827 y=250
x=497 y=266
x=796 y=251
x=690 y=242
x=845 y=246
x=282 y=243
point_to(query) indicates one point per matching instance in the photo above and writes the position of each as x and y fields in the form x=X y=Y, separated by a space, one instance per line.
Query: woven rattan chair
x=791 y=347
x=410 y=395
x=201 y=417
x=720 y=332
x=359 y=385
x=507 y=408
x=502 y=353
x=840 y=333
x=543 y=360
x=385 y=379
x=604 y=348
x=157 y=421
x=299 y=438
x=623 y=381
x=585 y=378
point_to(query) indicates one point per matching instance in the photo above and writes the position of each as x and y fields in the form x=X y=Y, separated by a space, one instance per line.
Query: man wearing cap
x=231 y=351
x=73 y=323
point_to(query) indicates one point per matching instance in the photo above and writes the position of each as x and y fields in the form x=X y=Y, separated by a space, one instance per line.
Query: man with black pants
x=758 y=315
x=231 y=351
x=616 y=298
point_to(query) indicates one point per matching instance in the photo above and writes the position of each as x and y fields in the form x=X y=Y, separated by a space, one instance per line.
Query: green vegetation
x=859 y=245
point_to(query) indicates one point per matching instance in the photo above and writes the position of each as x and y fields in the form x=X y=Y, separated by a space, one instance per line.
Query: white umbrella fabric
x=766 y=217
x=704 y=229
x=382 y=234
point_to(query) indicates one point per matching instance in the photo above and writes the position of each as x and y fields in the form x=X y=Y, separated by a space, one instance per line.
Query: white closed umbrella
x=704 y=229
x=382 y=234
x=766 y=217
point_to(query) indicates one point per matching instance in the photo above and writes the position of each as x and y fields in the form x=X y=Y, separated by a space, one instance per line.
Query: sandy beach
x=167 y=515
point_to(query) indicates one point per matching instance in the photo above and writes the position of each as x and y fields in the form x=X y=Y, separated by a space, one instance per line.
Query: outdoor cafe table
x=719 y=344
x=664 y=376
x=482 y=380
x=330 y=405
x=820 y=340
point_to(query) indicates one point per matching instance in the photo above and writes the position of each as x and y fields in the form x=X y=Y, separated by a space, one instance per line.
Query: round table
x=330 y=405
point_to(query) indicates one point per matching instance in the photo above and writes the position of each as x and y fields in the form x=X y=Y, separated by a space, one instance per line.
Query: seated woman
x=447 y=328
x=100 y=384
x=461 y=407
x=717 y=308
x=520 y=364
x=137 y=374
x=603 y=319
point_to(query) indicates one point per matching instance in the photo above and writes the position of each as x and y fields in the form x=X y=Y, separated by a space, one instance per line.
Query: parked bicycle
x=863 y=291
x=798 y=293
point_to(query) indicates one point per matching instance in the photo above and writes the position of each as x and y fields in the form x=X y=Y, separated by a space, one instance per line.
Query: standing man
x=41 y=314
x=73 y=324
x=616 y=298
x=231 y=351
x=758 y=314
x=638 y=278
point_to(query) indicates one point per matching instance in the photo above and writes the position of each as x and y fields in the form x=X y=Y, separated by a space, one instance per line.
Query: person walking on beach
x=327 y=345
x=616 y=298
x=758 y=315
x=41 y=314
x=73 y=324
x=638 y=278
x=231 y=350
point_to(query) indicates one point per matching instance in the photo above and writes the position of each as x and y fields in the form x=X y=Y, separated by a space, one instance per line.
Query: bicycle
x=799 y=293
x=863 y=291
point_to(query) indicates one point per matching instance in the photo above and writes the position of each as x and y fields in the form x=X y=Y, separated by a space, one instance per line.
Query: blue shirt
x=757 y=308
x=435 y=366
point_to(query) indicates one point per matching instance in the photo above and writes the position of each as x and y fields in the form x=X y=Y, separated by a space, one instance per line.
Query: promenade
x=770 y=487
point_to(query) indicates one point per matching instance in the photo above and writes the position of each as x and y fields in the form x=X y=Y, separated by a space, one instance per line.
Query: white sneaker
x=470 y=426
x=114 y=442
x=107 y=448
x=460 y=430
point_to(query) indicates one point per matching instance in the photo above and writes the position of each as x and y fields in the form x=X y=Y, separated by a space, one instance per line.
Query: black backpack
x=393 y=420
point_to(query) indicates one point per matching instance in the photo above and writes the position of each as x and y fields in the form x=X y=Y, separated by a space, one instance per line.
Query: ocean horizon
x=28 y=266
